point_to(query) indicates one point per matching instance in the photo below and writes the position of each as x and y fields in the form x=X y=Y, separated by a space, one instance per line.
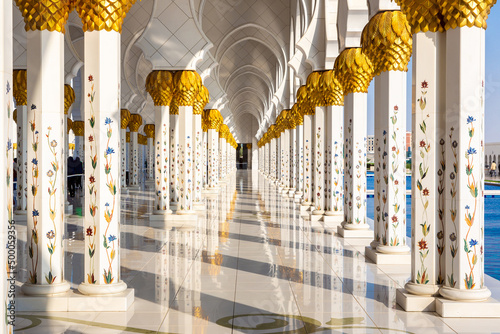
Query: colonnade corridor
x=249 y=264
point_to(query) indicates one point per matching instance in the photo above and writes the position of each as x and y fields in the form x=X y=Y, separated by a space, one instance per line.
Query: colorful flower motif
x=470 y=119
x=35 y=213
x=91 y=138
x=440 y=235
x=109 y=151
x=90 y=231
x=424 y=84
x=453 y=237
x=422 y=244
x=472 y=242
x=471 y=151
x=51 y=235
x=34 y=162
x=422 y=143
x=91 y=78
x=50 y=173
x=454 y=144
x=394 y=148
x=107 y=121
x=53 y=143
x=33 y=107
x=92 y=179
x=425 y=192
x=111 y=238
x=394 y=219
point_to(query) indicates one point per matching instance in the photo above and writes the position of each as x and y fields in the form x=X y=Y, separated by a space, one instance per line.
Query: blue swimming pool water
x=491 y=218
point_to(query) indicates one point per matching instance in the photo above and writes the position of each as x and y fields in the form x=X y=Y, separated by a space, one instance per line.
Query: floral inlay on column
x=453 y=207
x=91 y=230
x=33 y=247
x=396 y=153
x=52 y=175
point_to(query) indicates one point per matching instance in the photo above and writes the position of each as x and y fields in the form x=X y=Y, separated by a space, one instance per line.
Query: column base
x=134 y=187
x=429 y=290
x=490 y=308
x=459 y=295
x=102 y=289
x=348 y=231
x=318 y=212
x=73 y=301
x=150 y=182
x=333 y=219
x=124 y=190
x=413 y=303
x=385 y=258
x=45 y=289
x=315 y=217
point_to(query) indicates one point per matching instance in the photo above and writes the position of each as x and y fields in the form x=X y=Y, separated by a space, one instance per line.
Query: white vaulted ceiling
x=241 y=48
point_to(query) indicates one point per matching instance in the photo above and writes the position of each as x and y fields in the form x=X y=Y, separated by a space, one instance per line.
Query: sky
x=492 y=83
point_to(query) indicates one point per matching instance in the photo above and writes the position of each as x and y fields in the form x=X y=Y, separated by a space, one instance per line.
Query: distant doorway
x=242 y=156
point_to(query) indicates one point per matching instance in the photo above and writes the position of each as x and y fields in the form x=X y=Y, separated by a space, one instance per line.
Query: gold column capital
x=331 y=89
x=354 y=71
x=387 y=41
x=297 y=115
x=149 y=129
x=69 y=98
x=314 y=92
x=48 y=15
x=212 y=119
x=467 y=13
x=98 y=15
x=127 y=137
x=142 y=139
x=160 y=86
x=78 y=128
x=69 y=126
x=422 y=15
x=201 y=100
x=223 y=131
x=187 y=85
x=124 y=118
x=20 y=87
x=303 y=103
x=135 y=122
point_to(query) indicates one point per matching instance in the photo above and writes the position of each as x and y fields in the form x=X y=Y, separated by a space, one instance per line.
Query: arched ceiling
x=243 y=49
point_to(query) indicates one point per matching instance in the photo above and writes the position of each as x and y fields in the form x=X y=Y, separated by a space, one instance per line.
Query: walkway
x=249 y=265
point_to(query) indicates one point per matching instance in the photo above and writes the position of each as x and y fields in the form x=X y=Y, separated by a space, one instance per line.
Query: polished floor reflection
x=249 y=264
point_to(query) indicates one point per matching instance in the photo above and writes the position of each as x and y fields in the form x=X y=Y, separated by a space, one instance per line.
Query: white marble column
x=308 y=160
x=134 y=125
x=125 y=119
x=428 y=163
x=267 y=159
x=204 y=156
x=102 y=163
x=198 y=162
x=22 y=159
x=292 y=133
x=319 y=161
x=464 y=199
x=299 y=131
x=186 y=87
x=334 y=124
x=213 y=152
x=355 y=108
x=174 y=158
x=150 y=151
x=390 y=115
x=45 y=77
x=6 y=198
x=273 y=167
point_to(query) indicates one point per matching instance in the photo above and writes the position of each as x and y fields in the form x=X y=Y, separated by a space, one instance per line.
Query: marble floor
x=248 y=264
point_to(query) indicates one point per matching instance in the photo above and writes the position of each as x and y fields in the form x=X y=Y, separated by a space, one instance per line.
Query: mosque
x=223 y=184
